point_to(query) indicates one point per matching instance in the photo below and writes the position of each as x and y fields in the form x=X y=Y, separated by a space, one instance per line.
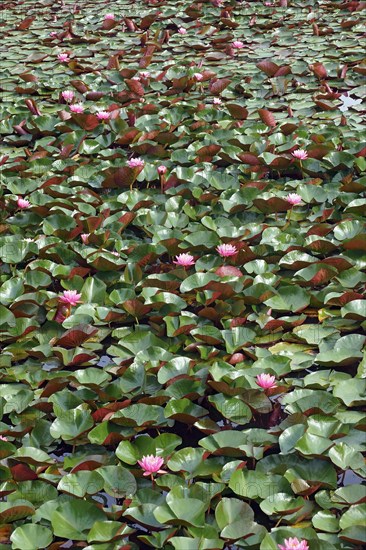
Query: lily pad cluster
x=182 y=275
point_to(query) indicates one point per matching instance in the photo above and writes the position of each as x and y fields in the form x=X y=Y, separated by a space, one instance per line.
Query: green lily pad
x=74 y=519
x=181 y=510
x=235 y=519
x=31 y=537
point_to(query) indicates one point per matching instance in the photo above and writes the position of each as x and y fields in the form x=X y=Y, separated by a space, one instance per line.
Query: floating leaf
x=31 y=537
x=73 y=519
x=235 y=519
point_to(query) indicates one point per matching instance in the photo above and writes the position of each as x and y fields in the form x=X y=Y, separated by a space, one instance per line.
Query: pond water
x=348 y=102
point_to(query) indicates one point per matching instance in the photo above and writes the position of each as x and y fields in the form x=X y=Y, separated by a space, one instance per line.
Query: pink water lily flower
x=109 y=16
x=300 y=154
x=184 y=259
x=103 y=115
x=293 y=198
x=294 y=544
x=145 y=74
x=266 y=381
x=162 y=169
x=182 y=30
x=236 y=358
x=70 y=297
x=152 y=465
x=63 y=57
x=217 y=101
x=136 y=163
x=23 y=203
x=198 y=76
x=77 y=108
x=3 y=438
x=238 y=44
x=85 y=237
x=68 y=95
x=226 y=250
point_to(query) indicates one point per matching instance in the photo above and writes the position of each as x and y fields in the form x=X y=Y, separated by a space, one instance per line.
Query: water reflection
x=348 y=102
x=104 y=361
x=106 y=500
x=350 y=478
